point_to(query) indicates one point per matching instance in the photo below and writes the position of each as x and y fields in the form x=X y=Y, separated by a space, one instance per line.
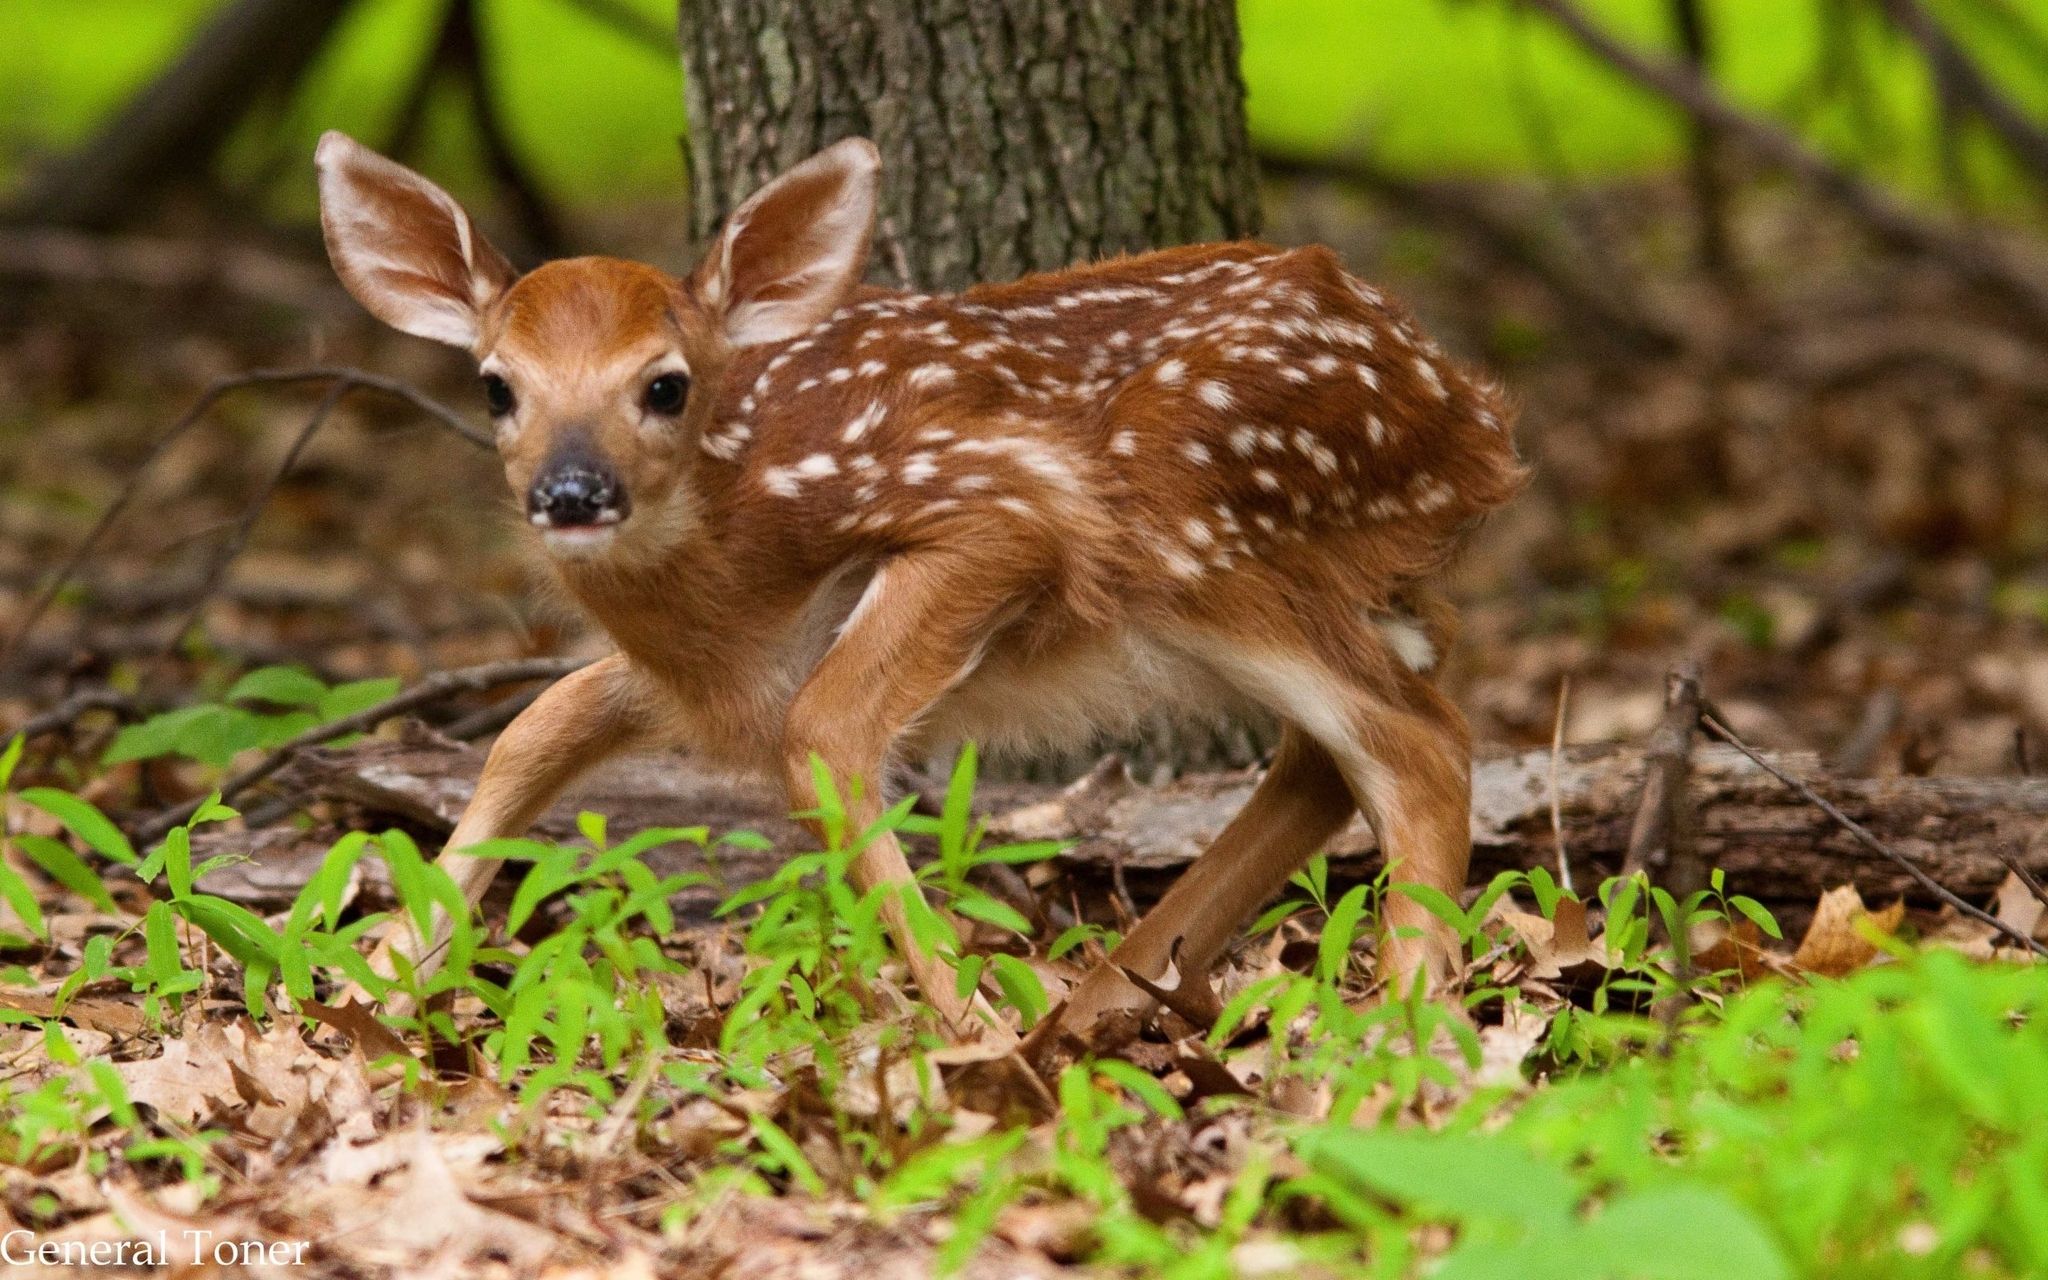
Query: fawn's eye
x=666 y=393
x=498 y=396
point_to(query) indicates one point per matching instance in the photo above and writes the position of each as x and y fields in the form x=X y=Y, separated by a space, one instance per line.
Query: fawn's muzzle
x=576 y=492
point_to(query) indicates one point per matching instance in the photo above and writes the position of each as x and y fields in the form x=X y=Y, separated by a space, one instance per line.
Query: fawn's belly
x=1024 y=697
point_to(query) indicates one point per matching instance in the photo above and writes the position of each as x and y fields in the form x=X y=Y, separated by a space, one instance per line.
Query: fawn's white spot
x=1124 y=444
x=1214 y=394
x=919 y=467
x=1196 y=451
x=1170 y=372
x=866 y=418
x=1408 y=640
x=1431 y=378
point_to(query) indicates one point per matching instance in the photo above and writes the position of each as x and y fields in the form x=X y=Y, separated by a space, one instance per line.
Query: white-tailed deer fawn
x=820 y=519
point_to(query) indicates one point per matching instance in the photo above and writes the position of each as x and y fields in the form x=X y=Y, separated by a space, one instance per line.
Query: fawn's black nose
x=576 y=491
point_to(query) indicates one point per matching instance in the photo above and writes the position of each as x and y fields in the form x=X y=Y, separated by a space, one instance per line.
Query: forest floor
x=1827 y=494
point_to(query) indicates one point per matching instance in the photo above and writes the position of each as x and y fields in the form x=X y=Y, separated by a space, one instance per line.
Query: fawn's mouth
x=579 y=540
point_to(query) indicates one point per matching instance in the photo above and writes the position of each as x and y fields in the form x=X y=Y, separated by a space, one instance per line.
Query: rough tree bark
x=1016 y=135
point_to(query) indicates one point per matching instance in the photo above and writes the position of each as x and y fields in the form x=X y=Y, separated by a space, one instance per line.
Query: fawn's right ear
x=402 y=245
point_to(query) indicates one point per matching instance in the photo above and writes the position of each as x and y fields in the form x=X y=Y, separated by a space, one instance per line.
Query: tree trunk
x=1016 y=135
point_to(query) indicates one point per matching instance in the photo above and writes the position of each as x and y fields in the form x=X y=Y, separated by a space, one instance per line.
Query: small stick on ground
x=1660 y=843
x=1564 y=863
x=61 y=715
x=1712 y=723
x=430 y=689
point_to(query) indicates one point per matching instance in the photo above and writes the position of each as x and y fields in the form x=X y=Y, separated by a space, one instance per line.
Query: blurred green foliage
x=1438 y=86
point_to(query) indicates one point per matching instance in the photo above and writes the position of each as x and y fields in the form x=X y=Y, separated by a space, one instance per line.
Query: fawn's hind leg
x=1301 y=802
x=1361 y=690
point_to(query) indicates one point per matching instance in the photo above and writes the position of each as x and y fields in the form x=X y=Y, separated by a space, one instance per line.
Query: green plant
x=213 y=733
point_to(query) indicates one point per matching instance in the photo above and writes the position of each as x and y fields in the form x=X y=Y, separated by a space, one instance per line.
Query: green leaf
x=981 y=907
x=1448 y=1175
x=284 y=686
x=786 y=1153
x=358 y=695
x=84 y=821
x=163 y=963
x=1020 y=986
x=1333 y=949
x=10 y=756
x=1758 y=915
x=1681 y=1233
x=178 y=860
x=1142 y=1084
x=22 y=897
x=67 y=869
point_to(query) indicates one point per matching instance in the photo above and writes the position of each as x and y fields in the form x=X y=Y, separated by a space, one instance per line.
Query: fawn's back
x=1177 y=442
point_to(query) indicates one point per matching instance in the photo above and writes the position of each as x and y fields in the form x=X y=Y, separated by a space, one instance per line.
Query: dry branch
x=1963 y=81
x=1772 y=844
x=1890 y=221
x=1863 y=836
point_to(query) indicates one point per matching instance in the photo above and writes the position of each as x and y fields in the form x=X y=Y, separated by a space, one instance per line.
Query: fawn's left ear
x=403 y=247
x=789 y=256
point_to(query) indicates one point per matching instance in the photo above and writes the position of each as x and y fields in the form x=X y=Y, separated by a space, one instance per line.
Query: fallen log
x=1769 y=842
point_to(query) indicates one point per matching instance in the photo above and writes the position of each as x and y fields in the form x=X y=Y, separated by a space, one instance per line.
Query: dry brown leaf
x=1738 y=947
x=112 y=1017
x=1835 y=943
x=2018 y=906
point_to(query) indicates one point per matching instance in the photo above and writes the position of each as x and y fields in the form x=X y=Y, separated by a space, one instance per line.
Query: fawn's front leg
x=917 y=631
x=580 y=720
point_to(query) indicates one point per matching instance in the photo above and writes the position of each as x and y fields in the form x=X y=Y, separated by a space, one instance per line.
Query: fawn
x=823 y=520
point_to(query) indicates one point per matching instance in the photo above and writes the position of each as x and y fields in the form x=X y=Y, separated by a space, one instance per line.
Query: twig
x=1660 y=841
x=1963 y=81
x=61 y=715
x=490 y=719
x=1564 y=863
x=2026 y=877
x=1713 y=725
x=239 y=538
x=1891 y=222
x=347 y=379
x=430 y=689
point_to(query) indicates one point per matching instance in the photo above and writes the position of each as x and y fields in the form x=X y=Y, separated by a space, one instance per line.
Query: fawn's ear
x=402 y=245
x=789 y=256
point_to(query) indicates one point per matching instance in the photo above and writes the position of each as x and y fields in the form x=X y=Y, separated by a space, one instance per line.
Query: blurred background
x=1767 y=278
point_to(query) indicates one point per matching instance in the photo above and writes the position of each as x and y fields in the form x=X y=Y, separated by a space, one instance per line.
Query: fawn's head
x=599 y=373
